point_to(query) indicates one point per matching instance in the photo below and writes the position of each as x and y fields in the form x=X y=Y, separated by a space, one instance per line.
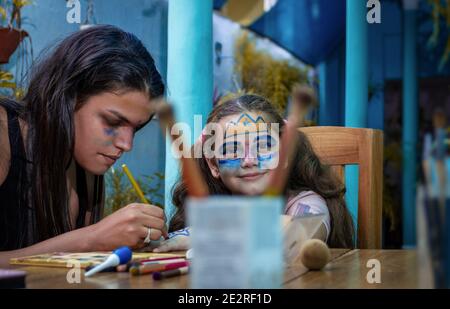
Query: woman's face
x=247 y=154
x=105 y=127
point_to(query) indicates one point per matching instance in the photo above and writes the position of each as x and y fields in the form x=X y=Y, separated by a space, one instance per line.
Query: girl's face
x=247 y=153
x=105 y=127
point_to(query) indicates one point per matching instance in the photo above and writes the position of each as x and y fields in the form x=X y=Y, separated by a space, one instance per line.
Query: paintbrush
x=303 y=98
x=191 y=173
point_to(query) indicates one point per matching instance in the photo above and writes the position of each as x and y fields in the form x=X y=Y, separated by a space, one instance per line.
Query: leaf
x=4 y=75
x=263 y=75
x=2 y=12
x=4 y=84
x=22 y=3
x=120 y=193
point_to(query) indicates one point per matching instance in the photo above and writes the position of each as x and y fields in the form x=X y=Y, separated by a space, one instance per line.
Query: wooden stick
x=192 y=176
x=302 y=99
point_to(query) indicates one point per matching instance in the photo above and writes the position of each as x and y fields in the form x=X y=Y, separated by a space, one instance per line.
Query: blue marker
x=118 y=257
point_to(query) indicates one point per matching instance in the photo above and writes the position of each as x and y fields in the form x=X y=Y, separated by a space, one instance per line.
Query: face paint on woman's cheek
x=109 y=134
x=229 y=166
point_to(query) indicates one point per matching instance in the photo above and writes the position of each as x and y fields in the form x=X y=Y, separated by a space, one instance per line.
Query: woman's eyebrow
x=121 y=117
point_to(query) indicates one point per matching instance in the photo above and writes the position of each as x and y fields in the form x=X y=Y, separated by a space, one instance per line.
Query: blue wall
x=332 y=79
x=147 y=19
x=385 y=62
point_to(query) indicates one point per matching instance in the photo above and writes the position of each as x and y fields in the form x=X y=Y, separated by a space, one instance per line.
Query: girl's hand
x=129 y=227
x=178 y=241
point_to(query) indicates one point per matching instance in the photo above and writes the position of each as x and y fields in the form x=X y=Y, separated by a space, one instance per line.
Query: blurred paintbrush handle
x=191 y=173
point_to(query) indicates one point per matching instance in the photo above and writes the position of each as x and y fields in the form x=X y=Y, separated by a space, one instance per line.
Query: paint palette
x=85 y=259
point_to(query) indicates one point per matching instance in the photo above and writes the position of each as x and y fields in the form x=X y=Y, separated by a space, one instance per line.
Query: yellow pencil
x=134 y=184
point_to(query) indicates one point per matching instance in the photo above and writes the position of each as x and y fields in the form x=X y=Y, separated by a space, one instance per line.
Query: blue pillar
x=324 y=103
x=410 y=122
x=189 y=73
x=356 y=87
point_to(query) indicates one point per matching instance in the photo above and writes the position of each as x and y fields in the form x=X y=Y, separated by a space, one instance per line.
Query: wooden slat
x=334 y=145
x=370 y=197
x=340 y=146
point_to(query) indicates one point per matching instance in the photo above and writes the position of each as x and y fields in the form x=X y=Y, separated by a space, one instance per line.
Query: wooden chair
x=340 y=146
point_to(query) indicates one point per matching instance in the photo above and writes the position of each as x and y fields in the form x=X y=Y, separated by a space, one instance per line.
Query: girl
x=83 y=106
x=311 y=187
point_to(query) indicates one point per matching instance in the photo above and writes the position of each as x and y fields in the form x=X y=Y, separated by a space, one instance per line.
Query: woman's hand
x=129 y=227
x=178 y=241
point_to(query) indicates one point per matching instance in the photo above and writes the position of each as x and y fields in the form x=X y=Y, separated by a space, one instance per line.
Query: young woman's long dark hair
x=88 y=62
x=307 y=174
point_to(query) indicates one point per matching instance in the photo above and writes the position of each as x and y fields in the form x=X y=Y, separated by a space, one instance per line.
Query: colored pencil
x=147 y=269
x=134 y=184
x=170 y=273
x=160 y=259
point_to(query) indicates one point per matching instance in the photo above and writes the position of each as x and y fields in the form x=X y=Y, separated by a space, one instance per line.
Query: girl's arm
x=321 y=232
x=178 y=241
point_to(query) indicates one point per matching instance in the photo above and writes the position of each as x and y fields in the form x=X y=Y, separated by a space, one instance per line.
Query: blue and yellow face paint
x=248 y=138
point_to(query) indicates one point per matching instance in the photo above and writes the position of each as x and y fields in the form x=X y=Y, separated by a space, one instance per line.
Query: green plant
x=261 y=74
x=2 y=13
x=440 y=9
x=10 y=10
x=7 y=82
x=119 y=191
x=13 y=8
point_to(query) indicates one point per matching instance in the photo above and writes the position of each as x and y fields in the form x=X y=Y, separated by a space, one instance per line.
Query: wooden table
x=347 y=269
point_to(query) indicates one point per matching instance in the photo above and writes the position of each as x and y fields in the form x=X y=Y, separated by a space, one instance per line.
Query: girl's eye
x=231 y=149
x=265 y=143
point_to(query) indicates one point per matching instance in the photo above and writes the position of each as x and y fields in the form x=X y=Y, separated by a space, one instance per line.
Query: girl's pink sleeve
x=308 y=203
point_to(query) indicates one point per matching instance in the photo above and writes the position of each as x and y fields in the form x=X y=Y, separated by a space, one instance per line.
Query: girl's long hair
x=307 y=174
x=86 y=63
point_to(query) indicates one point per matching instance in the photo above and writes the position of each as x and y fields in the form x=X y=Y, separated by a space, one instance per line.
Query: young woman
x=245 y=168
x=84 y=103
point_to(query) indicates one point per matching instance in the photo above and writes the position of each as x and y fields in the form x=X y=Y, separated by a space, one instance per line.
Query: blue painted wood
x=410 y=127
x=189 y=73
x=356 y=86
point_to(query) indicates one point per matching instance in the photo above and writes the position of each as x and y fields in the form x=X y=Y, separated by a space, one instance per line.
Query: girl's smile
x=252 y=176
